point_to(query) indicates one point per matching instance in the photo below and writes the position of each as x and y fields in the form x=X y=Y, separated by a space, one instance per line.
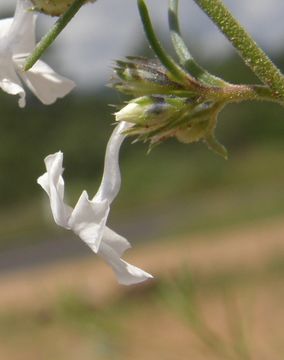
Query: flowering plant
x=170 y=99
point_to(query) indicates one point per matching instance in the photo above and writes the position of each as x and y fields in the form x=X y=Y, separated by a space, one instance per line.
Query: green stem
x=176 y=71
x=52 y=34
x=253 y=56
x=186 y=60
x=259 y=93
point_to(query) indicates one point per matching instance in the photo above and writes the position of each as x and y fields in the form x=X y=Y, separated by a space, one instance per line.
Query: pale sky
x=111 y=29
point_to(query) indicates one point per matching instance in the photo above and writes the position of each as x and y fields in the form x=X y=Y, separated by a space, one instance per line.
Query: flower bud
x=53 y=7
x=159 y=117
x=139 y=76
x=152 y=110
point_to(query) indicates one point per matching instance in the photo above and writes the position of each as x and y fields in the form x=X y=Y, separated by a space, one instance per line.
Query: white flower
x=88 y=218
x=17 y=41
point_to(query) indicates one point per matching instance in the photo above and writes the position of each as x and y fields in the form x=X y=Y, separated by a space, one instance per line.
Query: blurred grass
x=189 y=315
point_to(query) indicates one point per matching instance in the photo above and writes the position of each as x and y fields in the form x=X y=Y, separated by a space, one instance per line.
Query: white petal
x=9 y=81
x=111 y=180
x=45 y=83
x=126 y=273
x=116 y=241
x=53 y=184
x=129 y=112
x=88 y=220
x=22 y=31
x=5 y=26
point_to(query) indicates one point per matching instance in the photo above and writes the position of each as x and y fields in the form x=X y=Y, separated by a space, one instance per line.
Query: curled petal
x=44 y=82
x=111 y=180
x=116 y=241
x=10 y=82
x=53 y=184
x=88 y=220
x=111 y=250
x=13 y=88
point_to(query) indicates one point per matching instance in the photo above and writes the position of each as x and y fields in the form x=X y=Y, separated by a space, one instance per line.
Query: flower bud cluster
x=163 y=108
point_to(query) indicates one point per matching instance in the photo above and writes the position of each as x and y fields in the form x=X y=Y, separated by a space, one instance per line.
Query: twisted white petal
x=88 y=218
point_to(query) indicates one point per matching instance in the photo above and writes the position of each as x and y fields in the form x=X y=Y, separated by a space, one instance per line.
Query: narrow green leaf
x=186 y=60
x=175 y=70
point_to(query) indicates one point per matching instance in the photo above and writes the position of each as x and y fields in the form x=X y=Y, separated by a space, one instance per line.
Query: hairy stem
x=240 y=93
x=253 y=56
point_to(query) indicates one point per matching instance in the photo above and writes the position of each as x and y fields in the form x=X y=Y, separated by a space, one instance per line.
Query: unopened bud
x=152 y=110
x=157 y=118
x=53 y=7
x=139 y=76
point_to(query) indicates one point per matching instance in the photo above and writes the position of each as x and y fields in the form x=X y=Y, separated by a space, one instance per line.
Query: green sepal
x=193 y=132
x=214 y=145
